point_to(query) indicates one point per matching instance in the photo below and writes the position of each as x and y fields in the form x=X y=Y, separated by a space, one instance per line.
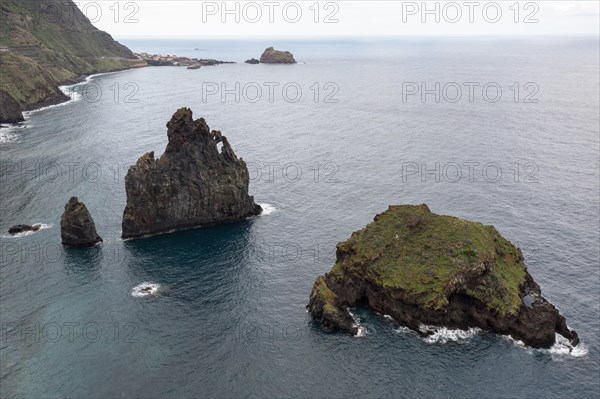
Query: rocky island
x=77 y=228
x=426 y=269
x=23 y=228
x=272 y=56
x=193 y=184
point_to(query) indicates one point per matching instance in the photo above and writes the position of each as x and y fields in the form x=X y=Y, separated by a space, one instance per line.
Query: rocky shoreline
x=59 y=97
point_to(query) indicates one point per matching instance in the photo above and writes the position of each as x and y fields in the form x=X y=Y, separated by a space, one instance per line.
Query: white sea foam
x=267 y=209
x=561 y=349
x=71 y=91
x=8 y=133
x=145 y=289
x=362 y=331
x=43 y=226
x=515 y=342
x=74 y=92
x=402 y=330
x=444 y=334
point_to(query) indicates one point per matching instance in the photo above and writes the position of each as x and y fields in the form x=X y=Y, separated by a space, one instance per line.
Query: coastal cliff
x=193 y=184
x=10 y=111
x=426 y=269
x=45 y=43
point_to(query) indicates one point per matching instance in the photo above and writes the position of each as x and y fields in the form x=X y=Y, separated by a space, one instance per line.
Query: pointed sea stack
x=424 y=269
x=77 y=228
x=191 y=185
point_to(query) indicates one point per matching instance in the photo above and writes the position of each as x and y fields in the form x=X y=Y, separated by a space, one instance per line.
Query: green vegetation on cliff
x=45 y=43
x=428 y=256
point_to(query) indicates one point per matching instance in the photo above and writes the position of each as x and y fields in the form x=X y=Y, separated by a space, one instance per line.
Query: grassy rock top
x=429 y=257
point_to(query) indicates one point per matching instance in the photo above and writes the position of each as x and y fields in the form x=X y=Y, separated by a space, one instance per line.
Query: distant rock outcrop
x=272 y=56
x=424 y=269
x=191 y=185
x=22 y=228
x=252 y=61
x=10 y=110
x=77 y=228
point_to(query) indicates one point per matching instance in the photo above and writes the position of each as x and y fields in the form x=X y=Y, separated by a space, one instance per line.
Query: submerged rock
x=252 y=61
x=272 y=56
x=422 y=268
x=77 y=228
x=191 y=185
x=21 y=228
x=10 y=110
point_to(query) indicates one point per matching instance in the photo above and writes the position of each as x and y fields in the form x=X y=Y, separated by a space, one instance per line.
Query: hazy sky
x=248 y=19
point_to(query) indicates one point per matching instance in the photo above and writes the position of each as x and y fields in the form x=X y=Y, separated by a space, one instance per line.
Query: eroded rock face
x=10 y=110
x=426 y=269
x=77 y=228
x=191 y=185
x=272 y=56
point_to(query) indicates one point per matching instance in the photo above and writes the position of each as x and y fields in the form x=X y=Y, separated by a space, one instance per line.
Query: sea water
x=225 y=314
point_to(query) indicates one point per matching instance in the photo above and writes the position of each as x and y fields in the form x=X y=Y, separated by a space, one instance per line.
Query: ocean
x=500 y=131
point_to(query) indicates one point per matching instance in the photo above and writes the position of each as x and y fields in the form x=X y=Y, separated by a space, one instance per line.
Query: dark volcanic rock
x=252 y=61
x=10 y=110
x=426 y=269
x=191 y=185
x=21 y=228
x=272 y=56
x=77 y=228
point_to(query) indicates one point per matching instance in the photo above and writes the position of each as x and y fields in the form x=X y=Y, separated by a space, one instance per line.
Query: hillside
x=45 y=43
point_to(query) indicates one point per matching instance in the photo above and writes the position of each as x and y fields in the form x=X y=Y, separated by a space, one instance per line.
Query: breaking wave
x=7 y=133
x=145 y=289
x=267 y=209
x=439 y=335
x=561 y=349
x=362 y=331
x=443 y=334
x=73 y=91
